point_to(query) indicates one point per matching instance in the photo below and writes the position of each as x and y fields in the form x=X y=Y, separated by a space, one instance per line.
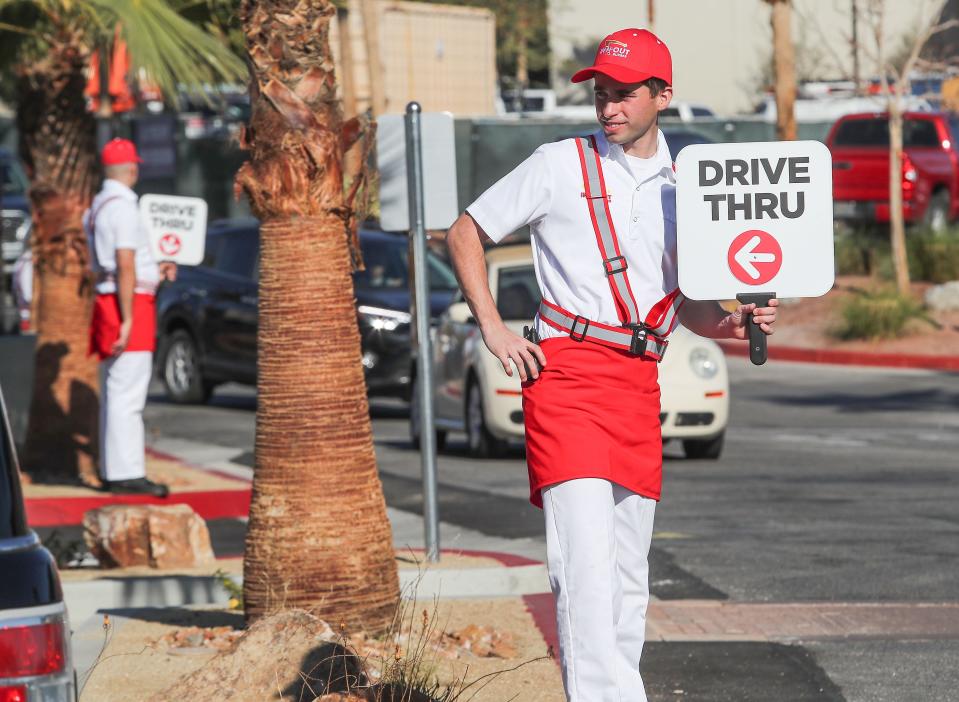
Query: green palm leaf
x=169 y=49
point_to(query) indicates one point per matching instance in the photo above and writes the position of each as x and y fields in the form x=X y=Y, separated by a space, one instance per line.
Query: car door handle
x=249 y=299
x=842 y=165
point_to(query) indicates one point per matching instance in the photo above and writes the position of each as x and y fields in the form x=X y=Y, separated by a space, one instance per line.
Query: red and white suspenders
x=645 y=338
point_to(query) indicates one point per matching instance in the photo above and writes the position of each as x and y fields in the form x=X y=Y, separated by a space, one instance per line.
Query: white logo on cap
x=612 y=47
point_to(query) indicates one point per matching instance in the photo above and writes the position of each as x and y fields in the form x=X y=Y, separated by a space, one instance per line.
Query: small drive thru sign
x=754 y=221
x=176 y=227
x=753 y=215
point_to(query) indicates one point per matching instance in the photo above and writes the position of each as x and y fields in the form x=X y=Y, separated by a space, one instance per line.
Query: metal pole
x=424 y=366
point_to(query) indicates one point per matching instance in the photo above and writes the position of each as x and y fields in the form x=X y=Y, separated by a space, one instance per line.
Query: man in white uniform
x=602 y=217
x=123 y=331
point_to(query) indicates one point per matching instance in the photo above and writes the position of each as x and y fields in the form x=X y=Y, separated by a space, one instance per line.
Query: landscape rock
x=158 y=536
x=943 y=298
x=284 y=656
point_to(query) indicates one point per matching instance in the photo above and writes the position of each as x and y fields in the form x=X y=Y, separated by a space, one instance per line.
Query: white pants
x=597 y=542
x=124 y=381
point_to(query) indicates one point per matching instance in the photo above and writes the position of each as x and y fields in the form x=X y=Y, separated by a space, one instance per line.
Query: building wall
x=442 y=56
x=719 y=46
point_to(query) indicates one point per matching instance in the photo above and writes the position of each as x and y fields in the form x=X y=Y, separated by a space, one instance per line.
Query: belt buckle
x=637 y=344
x=579 y=319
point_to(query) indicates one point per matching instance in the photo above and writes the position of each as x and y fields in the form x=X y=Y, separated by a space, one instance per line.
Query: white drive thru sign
x=176 y=227
x=754 y=218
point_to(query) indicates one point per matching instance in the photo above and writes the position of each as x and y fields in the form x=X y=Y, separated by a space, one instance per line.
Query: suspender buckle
x=579 y=336
x=615 y=265
x=637 y=344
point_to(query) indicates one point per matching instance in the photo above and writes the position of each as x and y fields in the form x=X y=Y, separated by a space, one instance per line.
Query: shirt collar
x=614 y=152
x=115 y=187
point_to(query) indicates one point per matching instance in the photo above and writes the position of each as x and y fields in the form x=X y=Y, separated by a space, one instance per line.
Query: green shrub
x=877 y=315
x=934 y=258
x=860 y=253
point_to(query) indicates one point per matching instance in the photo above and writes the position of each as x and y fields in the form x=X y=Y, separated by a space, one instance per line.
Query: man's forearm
x=706 y=318
x=469 y=263
x=126 y=282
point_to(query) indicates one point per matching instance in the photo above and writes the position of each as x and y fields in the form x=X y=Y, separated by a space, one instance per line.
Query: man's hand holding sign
x=754 y=222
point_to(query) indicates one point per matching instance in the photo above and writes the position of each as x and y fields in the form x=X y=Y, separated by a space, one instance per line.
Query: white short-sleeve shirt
x=546 y=192
x=118 y=226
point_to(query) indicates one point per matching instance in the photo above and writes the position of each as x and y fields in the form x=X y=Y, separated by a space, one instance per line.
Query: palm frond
x=168 y=48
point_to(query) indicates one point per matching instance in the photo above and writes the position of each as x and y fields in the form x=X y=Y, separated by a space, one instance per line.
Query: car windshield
x=386 y=261
x=875 y=132
x=12 y=179
x=517 y=295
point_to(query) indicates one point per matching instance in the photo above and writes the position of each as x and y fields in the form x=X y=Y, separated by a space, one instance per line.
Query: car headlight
x=24 y=229
x=382 y=319
x=703 y=362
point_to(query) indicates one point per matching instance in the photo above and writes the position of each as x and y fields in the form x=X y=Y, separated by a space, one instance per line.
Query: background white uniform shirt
x=118 y=226
x=546 y=193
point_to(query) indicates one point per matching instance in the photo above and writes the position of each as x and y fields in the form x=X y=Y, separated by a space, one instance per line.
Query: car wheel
x=937 y=213
x=481 y=442
x=704 y=448
x=415 y=422
x=180 y=370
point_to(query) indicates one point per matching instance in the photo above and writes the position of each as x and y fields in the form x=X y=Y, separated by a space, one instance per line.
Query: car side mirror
x=459 y=313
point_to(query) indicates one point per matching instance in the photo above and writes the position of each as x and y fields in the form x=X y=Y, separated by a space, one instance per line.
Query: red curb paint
x=176 y=459
x=64 y=511
x=542 y=608
x=848 y=358
x=507 y=559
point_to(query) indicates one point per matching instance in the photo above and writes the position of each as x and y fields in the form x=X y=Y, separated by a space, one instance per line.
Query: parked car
x=679 y=139
x=207 y=319
x=829 y=109
x=35 y=658
x=14 y=209
x=687 y=111
x=930 y=168
x=474 y=395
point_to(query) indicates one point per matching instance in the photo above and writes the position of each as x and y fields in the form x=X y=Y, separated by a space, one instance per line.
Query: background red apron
x=105 y=327
x=593 y=413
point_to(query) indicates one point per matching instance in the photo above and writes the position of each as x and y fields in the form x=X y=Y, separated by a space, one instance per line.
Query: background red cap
x=119 y=151
x=630 y=56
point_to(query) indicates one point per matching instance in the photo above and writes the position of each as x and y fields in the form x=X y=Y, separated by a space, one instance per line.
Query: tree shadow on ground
x=181 y=616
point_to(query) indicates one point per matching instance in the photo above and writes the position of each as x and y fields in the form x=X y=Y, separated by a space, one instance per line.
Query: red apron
x=105 y=327
x=593 y=413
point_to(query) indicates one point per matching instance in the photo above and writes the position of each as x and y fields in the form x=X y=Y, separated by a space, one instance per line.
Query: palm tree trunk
x=58 y=145
x=318 y=535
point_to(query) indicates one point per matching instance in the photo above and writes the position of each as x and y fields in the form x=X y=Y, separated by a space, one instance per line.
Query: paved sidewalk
x=709 y=620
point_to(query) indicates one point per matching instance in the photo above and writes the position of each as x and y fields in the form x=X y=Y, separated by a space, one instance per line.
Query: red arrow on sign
x=755 y=257
x=169 y=244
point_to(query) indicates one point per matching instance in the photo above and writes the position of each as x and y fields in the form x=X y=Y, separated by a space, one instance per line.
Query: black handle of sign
x=757 y=338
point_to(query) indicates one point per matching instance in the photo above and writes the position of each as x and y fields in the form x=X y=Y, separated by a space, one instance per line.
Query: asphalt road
x=837 y=484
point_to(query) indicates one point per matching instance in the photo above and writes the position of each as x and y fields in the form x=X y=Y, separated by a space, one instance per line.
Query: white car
x=474 y=395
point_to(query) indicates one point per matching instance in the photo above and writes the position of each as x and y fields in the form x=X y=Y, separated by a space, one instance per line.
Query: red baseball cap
x=119 y=151
x=630 y=56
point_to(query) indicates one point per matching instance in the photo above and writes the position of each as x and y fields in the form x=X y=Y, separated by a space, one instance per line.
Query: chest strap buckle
x=615 y=265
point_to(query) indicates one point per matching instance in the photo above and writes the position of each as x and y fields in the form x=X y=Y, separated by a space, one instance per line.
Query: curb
x=68 y=511
x=848 y=358
x=84 y=598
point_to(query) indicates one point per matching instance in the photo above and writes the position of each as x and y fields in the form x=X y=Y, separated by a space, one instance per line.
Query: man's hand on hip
x=508 y=346
x=121 y=343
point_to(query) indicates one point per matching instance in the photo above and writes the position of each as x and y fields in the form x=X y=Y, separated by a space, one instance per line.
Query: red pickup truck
x=930 y=168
